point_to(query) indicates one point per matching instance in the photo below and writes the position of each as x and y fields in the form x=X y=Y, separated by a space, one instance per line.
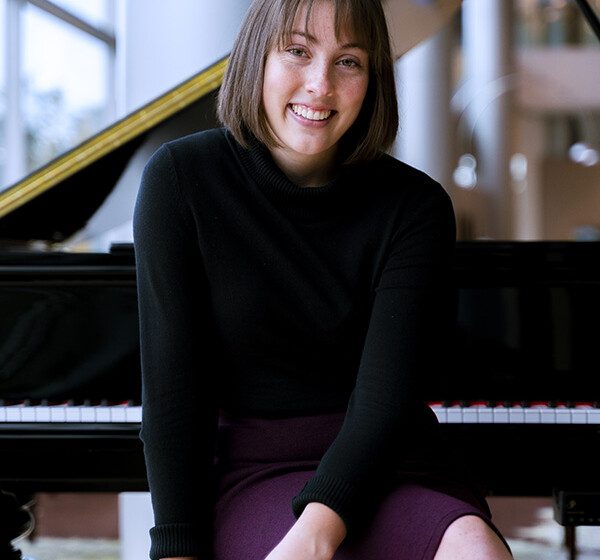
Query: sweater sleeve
x=413 y=299
x=178 y=410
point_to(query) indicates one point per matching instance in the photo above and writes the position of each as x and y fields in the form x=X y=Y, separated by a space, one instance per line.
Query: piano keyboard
x=447 y=413
x=72 y=413
x=517 y=413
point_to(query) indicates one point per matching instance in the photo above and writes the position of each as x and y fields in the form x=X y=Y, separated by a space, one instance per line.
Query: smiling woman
x=290 y=253
x=313 y=90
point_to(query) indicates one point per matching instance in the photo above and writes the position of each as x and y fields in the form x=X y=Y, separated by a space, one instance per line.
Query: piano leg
x=571 y=541
x=15 y=521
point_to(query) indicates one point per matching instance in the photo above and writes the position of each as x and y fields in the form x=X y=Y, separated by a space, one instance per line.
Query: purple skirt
x=264 y=463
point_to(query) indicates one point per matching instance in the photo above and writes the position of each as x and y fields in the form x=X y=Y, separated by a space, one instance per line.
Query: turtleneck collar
x=270 y=177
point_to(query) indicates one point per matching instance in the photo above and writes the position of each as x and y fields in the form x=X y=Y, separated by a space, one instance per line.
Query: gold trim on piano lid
x=112 y=137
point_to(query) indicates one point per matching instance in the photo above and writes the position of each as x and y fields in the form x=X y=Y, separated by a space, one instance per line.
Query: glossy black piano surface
x=528 y=324
x=69 y=326
x=527 y=335
x=69 y=338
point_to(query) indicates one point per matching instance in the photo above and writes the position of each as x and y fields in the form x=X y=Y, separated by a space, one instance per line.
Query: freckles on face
x=314 y=85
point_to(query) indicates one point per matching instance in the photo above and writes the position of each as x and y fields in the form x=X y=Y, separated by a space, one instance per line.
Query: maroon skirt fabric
x=264 y=463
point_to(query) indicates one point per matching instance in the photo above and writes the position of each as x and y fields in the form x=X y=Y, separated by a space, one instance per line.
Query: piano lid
x=57 y=200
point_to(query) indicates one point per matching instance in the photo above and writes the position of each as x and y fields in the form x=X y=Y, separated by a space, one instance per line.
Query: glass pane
x=65 y=86
x=92 y=11
x=3 y=150
x=552 y=23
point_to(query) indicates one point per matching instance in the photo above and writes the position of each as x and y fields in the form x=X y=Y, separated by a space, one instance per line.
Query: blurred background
x=499 y=101
x=501 y=104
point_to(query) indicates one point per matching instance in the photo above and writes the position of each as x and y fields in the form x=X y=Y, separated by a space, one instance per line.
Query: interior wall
x=571 y=198
x=165 y=43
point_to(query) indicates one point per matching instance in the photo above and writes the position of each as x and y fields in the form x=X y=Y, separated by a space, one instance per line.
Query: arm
x=178 y=410
x=315 y=536
x=413 y=297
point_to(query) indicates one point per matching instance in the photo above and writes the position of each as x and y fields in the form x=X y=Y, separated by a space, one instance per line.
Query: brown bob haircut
x=268 y=23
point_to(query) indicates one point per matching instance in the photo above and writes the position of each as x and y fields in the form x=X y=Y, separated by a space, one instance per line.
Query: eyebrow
x=312 y=39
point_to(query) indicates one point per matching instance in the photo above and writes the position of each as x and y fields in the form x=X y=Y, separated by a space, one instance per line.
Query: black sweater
x=260 y=297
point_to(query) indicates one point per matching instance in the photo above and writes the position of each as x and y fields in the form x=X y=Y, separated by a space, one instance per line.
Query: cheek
x=356 y=94
x=364 y=87
x=272 y=86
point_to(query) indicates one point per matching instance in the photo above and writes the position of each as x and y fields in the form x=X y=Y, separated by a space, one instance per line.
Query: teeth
x=310 y=114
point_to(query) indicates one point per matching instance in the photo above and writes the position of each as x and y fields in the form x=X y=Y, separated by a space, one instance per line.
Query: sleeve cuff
x=334 y=493
x=179 y=539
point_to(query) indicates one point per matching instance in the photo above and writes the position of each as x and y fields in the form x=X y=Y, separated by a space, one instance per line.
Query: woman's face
x=314 y=87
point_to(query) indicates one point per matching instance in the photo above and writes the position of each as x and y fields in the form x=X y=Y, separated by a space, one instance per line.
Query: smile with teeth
x=310 y=114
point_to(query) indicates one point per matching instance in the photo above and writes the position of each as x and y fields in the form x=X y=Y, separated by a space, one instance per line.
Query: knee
x=471 y=537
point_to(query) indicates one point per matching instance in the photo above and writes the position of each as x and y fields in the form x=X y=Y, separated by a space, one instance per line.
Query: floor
x=528 y=525
x=97 y=549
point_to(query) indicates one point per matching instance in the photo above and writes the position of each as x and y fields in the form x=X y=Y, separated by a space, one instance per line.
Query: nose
x=319 y=80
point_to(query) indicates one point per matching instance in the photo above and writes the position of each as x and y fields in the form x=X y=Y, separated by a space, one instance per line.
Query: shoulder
x=397 y=181
x=189 y=157
x=402 y=174
x=201 y=144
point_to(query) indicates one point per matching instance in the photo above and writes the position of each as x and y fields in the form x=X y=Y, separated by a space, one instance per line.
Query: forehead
x=301 y=16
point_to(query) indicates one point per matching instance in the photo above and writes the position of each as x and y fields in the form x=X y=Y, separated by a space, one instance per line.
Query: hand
x=316 y=535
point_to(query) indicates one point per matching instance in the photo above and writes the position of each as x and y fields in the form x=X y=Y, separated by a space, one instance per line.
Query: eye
x=296 y=51
x=349 y=63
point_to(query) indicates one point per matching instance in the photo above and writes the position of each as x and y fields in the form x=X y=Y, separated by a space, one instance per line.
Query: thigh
x=411 y=521
x=254 y=514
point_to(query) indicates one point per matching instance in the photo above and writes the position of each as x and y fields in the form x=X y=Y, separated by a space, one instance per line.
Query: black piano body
x=527 y=332
x=69 y=340
x=527 y=339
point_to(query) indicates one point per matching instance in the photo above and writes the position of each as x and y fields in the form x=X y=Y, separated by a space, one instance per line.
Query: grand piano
x=518 y=392
x=518 y=395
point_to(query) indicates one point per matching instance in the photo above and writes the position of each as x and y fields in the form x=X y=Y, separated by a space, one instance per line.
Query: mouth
x=311 y=114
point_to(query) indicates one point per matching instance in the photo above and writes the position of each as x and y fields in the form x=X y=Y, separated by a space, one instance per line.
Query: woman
x=293 y=285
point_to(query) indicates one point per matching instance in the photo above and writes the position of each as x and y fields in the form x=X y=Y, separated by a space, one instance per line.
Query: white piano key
x=594 y=416
x=28 y=414
x=102 y=414
x=548 y=415
x=440 y=412
x=73 y=414
x=485 y=415
x=469 y=415
x=563 y=415
x=133 y=413
x=117 y=414
x=516 y=415
x=501 y=415
x=58 y=413
x=13 y=413
x=2 y=414
x=532 y=416
x=454 y=415
x=88 y=414
x=42 y=414
x=578 y=416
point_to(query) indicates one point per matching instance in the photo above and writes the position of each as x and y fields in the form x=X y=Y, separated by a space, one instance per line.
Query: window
x=62 y=62
x=95 y=12
x=3 y=146
x=552 y=23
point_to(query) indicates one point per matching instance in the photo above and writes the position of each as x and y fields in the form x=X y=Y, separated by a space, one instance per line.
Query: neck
x=309 y=171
